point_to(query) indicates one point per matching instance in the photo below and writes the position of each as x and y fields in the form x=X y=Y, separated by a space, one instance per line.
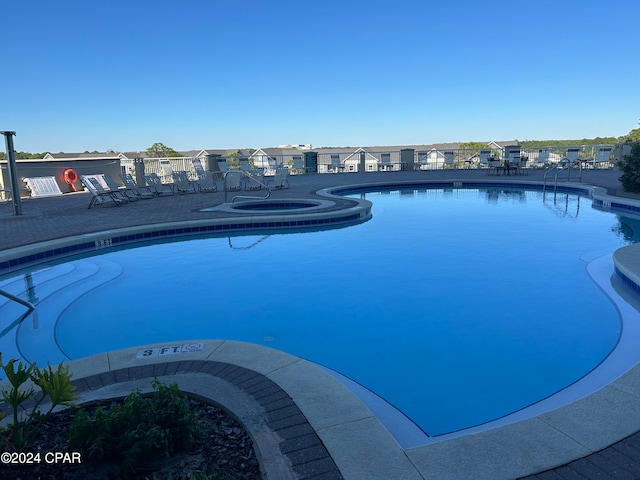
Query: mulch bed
x=227 y=451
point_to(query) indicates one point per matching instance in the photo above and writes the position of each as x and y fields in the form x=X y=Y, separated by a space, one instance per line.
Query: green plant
x=139 y=431
x=27 y=420
x=630 y=166
x=193 y=476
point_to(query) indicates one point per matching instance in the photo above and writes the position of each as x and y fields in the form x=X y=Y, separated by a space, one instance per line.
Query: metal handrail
x=248 y=175
x=30 y=307
x=566 y=165
x=247 y=247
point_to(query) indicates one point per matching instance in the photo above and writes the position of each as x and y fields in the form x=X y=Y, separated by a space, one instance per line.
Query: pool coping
x=359 y=444
x=14 y=259
x=17 y=258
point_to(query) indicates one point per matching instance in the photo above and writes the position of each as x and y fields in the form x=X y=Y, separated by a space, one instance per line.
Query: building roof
x=81 y=156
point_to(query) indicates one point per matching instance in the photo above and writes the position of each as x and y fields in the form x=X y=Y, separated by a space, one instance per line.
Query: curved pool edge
x=355 y=440
x=358 y=443
x=627 y=266
x=20 y=257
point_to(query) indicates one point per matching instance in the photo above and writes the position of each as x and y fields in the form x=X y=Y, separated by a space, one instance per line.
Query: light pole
x=13 y=173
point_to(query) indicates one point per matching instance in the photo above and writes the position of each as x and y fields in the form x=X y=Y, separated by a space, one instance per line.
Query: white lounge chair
x=196 y=162
x=335 y=165
x=245 y=165
x=483 y=158
x=233 y=181
x=182 y=183
x=280 y=178
x=571 y=157
x=298 y=165
x=115 y=189
x=166 y=168
x=99 y=196
x=543 y=158
x=254 y=181
x=132 y=186
x=206 y=183
x=602 y=158
x=385 y=163
x=156 y=185
x=449 y=160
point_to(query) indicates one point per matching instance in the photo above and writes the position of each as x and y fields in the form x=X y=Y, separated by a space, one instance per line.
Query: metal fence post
x=13 y=173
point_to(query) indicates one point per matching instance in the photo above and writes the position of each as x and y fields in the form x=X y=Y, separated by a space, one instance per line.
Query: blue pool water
x=456 y=306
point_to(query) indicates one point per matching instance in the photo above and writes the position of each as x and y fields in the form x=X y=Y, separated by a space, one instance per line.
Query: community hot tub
x=271 y=206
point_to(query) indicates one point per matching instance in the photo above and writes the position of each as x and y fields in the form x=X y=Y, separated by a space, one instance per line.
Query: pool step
x=33 y=340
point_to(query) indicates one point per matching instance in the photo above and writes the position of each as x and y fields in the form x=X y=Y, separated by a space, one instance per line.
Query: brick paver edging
x=300 y=444
x=307 y=455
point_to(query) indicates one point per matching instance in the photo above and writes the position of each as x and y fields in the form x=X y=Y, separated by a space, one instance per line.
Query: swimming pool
x=458 y=306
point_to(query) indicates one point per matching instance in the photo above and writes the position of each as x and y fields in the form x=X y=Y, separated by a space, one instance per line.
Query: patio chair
x=449 y=160
x=254 y=181
x=196 y=162
x=114 y=188
x=167 y=169
x=245 y=165
x=272 y=164
x=543 y=158
x=495 y=165
x=385 y=164
x=603 y=157
x=182 y=183
x=223 y=165
x=99 y=196
x=335 y=165
x=233 y=181
x=513 y=163
x=156 y=185
x=512 y=160
x=206 y=182
x=523 y=169
x=280 y=178
x=483 y=158
x=298 y=165
x=571 y=157
x=132 y=186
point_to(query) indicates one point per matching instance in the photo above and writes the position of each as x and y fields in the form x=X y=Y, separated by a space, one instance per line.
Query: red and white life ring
x=71 y=177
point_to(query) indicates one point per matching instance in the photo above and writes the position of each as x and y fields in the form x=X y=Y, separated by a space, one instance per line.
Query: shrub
x=630 y=167
x=139 y=431
x=25 y=401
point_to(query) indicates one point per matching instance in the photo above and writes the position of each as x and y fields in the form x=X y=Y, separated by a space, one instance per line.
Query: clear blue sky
x=121 y=75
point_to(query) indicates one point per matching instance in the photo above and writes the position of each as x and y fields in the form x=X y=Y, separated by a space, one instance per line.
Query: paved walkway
x=57 y=217
x=315 y=448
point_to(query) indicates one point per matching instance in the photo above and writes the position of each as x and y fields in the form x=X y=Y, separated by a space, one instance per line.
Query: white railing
x=374 y=161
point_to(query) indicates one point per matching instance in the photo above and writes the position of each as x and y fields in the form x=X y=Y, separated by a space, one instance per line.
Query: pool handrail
x=30 y=307
x=562 y=165
x=248 y=175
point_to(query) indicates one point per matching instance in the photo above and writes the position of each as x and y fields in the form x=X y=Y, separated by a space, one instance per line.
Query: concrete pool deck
x=305 y=422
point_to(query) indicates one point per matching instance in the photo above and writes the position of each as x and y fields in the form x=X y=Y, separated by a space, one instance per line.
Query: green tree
x=632 y=136
x=478 y=145
x=233 y=160
x=159 y=150
x=630 y=166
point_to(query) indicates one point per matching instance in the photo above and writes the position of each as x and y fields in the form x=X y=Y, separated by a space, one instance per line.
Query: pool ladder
x=566 y=165
x=243 y=173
